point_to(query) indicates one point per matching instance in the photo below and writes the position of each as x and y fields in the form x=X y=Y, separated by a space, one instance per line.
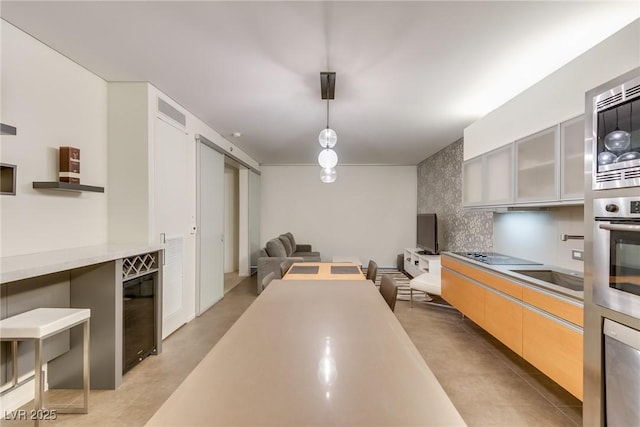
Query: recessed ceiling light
x=237 y=134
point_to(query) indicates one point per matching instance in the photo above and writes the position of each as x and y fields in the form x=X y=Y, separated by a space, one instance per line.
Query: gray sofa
x=282 y=248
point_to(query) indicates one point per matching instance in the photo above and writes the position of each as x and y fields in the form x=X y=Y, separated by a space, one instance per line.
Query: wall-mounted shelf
x=65 y=186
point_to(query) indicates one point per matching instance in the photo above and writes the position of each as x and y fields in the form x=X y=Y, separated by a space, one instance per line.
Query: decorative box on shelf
x=69 y=165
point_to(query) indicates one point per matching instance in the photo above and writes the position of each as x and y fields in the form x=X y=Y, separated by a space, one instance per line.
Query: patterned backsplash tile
x=440 y=191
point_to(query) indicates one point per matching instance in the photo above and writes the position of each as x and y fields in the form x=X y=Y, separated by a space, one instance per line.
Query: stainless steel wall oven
x=616 y=268
x=616 y=137
x=612 y=253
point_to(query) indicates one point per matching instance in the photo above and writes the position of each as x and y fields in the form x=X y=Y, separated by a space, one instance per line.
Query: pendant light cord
x=327 y=113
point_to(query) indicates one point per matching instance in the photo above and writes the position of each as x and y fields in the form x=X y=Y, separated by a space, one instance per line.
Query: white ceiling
x=410 y=75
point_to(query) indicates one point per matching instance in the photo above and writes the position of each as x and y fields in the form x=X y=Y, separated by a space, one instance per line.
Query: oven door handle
x=620 y=227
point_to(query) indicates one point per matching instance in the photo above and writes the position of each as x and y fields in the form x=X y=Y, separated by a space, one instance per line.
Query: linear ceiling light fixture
x=328 y=159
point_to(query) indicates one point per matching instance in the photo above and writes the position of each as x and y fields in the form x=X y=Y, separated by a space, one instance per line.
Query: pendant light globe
x=328 y=138
x=328 y=175
x=328 y=158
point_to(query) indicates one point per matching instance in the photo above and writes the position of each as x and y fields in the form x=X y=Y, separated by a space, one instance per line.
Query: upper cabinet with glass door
x=488 y=179
x=499 y=176
x=572 y=177
x=537 y=167
x=472 y=182
x=543 y=169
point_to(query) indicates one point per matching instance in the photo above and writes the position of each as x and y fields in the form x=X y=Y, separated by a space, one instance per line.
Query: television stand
x=417 y=262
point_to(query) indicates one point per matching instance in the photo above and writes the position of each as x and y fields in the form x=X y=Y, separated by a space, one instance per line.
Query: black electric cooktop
x=495 y=258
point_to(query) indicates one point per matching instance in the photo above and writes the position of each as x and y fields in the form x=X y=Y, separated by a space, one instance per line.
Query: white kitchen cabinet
x=472 y=177
x=488 y=179
x=543 y=169
x=572 y=159
x=499 y=176
x=537 y=167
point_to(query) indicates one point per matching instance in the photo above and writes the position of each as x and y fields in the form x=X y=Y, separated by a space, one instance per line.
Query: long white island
x=85 y=277
x=312 y=352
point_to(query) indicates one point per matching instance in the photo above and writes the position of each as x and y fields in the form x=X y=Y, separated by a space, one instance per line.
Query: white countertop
x=20 y=267
x=312 y=353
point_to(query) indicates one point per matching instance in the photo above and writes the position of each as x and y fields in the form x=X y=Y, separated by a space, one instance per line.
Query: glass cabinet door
x=572 y=157
x=537 y=167
x=472 y=182
x=499 y=176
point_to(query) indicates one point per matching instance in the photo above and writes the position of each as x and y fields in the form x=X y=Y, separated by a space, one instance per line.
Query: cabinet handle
x=620 y=227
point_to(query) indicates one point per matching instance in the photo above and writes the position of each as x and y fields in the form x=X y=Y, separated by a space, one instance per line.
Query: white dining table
x=312 y=353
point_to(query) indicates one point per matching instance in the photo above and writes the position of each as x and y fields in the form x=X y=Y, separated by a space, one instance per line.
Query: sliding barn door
x=210 y=237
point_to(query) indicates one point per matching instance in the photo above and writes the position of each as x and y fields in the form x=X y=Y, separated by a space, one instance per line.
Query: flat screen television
x=427 y=233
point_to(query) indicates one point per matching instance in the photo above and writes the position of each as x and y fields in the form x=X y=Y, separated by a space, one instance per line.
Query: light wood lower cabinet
x=503 y=320
x=464 y=295
x=569 y=312
x=555 y=349
x=546 y=330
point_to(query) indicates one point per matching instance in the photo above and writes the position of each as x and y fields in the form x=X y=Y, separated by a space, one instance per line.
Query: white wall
x=556 y=98
x=536 y=235
x=231 y=220
x=52 y=102
x=369 y=212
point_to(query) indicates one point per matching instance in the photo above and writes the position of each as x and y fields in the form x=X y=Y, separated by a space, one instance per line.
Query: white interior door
x=171 y=218
x=210 y=238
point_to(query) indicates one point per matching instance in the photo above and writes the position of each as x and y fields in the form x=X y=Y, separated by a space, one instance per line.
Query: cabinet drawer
x=503 y=320
x=553 y=348
x=503 y=285
x=464 y=295
x=555 y=306
x=467 y=270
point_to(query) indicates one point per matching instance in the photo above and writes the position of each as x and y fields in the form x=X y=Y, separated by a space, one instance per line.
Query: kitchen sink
x=569 y=281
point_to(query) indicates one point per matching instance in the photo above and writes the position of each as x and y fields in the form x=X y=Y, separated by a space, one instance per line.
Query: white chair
x=37 y=325
x=429 y=283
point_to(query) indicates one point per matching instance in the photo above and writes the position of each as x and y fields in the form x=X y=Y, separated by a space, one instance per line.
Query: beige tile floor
x=488 y=384
x=231 y=280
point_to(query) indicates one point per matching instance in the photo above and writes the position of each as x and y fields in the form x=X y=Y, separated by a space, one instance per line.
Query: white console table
x=416 y=264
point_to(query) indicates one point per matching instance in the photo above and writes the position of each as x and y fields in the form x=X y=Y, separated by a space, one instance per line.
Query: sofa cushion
x=276 y=248
x=286 y=243
x=291 y=239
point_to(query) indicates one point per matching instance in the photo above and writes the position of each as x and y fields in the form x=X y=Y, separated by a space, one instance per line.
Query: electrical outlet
x=577 y=254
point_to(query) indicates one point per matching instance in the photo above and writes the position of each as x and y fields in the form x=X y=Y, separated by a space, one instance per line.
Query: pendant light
x=328 y=175
x=328 y=159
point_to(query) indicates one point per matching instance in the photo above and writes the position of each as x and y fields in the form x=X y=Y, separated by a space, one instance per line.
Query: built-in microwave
x=616 y=137
x=616 y=254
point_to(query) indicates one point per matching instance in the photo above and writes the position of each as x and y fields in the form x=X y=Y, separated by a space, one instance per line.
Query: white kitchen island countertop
x=312 y=353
